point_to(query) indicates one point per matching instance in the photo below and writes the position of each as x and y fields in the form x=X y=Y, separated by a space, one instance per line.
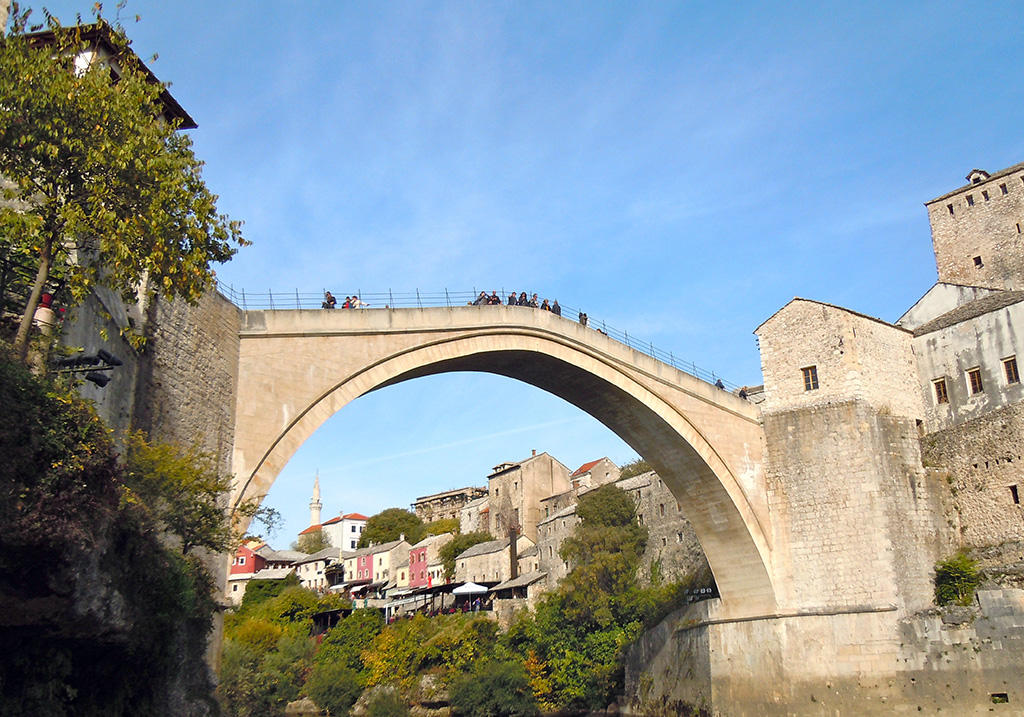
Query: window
x=679 y=537
x=352 y=544
x=970 y=200
x=234 y=588
x=241 y=560
x=664 y=542
x=941 y=395
x=496 y=492
x=974 y=380
x=950 y=208
x=810 y=377
x=1015 y=495
x=1010 y=367
x=661 y=510
x=977 y=262
x=1003 y=189
x=353 y=528
x=984 y=194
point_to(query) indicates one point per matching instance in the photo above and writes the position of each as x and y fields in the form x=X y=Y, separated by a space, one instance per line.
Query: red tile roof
x=585 y=467
x=355 y=516
x=332 y=521
x=311 y=529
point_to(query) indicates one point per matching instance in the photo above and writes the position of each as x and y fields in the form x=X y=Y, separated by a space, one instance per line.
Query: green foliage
x=459 y=544
x=345 y=642
x=256 y=591
x=395 y=655
x=101 y=191
x=67 y=534
x=255 y=681
x=494 y=689
x=390 y=524
x=442 y=526
x=386 y=703
x=182 y=490
x=956 y=580
x=634 y=468
x=310 y=543
x=333 y=686
x=604 y=552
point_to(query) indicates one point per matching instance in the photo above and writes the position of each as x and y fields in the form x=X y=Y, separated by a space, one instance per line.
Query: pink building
x=247 y=561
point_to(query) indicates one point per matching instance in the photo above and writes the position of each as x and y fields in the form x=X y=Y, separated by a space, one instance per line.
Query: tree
x=494 y=689
x=442 y=526
x=98 y=189
x=183 y=491
x=634 y=468
x=390 y=524
x=312 y=542
x=459 y=544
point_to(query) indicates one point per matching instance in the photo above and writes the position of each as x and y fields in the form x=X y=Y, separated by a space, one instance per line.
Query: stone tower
x=315 y=505
x=977 y=230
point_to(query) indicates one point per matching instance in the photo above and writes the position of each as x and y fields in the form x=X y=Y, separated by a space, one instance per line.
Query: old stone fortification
x=981 y=463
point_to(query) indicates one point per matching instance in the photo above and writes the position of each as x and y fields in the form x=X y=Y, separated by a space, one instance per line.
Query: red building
x=418 y=576
x=246 y=559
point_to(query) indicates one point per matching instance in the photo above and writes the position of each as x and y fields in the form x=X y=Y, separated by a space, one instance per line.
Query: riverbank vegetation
x=566 y=655
x=104 y=600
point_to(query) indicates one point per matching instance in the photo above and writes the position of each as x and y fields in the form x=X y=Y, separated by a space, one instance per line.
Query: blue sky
x=678 y=170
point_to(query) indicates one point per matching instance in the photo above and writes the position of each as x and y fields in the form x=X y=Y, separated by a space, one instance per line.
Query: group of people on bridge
x=521 y=300
x=351 y=302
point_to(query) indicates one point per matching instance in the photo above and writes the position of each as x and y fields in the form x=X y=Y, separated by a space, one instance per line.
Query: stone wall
x=189 y=373
x=982 y=462
x=855 y=356
x=989 y=228
x=855 y=513
x=965 y=660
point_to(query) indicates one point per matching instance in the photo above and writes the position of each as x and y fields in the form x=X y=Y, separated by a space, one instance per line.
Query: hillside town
x=529 y=508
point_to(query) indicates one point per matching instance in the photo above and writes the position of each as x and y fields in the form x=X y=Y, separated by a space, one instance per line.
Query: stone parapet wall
x=981 y=461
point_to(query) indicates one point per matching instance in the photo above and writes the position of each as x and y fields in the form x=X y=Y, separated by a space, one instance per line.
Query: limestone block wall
x=982 y=220
x=982 y=461
x=871 y=663
x=854 y=356
x=189 y=374
x=855 y=512
x=672 y=545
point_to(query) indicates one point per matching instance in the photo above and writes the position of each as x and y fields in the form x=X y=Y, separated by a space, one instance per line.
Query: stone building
x=446 y=505
x=474 y=516
x=976 y=230
x=515 y=492
x=490 y=562
x=672 y=546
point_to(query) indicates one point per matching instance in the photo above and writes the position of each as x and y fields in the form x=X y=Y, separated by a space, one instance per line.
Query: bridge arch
x=703 y=442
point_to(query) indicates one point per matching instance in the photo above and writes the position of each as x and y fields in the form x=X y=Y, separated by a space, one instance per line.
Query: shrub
x=494 y=689
x=333 y=686
x=956 y=580
x=386 y=703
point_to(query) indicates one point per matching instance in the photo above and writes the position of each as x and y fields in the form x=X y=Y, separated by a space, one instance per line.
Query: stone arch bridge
x=297 y=368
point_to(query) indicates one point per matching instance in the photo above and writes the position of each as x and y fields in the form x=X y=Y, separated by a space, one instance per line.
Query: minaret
x=315 y=505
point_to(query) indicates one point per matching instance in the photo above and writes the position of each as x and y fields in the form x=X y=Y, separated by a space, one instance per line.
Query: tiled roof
x=971 y=310
x=491 y=546
x=641 y=481
x=310 y=529
x=354 y=516
x=332 y=521
x=273 y=574
x=586 y=467
x=524 y=579
x=321 y=555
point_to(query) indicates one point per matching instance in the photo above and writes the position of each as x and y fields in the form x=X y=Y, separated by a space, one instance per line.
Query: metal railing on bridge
x=416 y=299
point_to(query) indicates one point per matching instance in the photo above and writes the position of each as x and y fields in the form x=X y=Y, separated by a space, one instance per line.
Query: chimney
x=513 y=552
x=534 y=451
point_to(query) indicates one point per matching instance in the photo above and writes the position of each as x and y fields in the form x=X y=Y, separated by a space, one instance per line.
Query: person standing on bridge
x=329 y=301
x=556 y=309
x=512 y=299
x=583 y=319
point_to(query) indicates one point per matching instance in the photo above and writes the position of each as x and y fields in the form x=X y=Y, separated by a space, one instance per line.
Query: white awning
x=469 y=589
